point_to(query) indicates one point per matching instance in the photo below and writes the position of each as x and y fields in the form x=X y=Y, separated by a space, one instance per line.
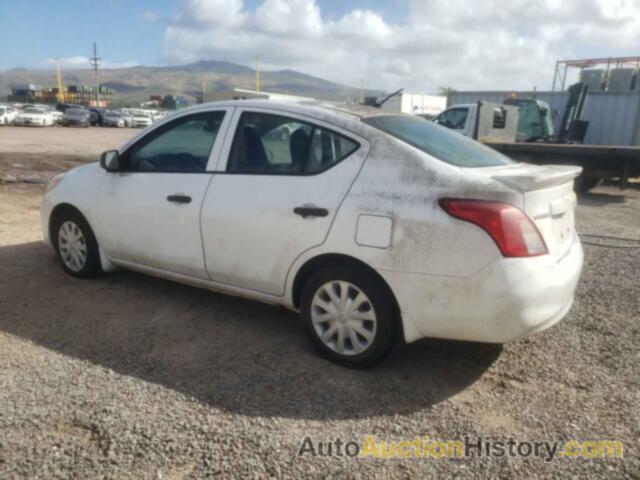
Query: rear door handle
x=179 y=198
x=311 y=212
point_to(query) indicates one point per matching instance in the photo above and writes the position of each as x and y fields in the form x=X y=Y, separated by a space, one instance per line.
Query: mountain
x=136 y=84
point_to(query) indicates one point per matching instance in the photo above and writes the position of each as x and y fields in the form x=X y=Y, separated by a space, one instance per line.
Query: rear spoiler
x=539 y=177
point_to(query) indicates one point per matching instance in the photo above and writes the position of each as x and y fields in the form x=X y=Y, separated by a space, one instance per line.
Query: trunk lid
x=548 y=199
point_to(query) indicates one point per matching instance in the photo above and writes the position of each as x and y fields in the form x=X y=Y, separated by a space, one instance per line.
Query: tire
x=65 y=228
x=377 y=303
x=584 y=184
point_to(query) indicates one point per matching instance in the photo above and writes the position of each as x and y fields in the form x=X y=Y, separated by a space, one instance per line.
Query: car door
x=275 y=196
x=149 y=211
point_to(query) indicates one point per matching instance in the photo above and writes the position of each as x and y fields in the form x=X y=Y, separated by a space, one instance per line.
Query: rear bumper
x=509 y=299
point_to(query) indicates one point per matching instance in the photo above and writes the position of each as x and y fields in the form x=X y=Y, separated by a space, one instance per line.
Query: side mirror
x=110 y=160
x=554 y=112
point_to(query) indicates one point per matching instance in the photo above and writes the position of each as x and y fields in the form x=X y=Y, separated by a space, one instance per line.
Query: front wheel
x=349 y=316
x=76 y=245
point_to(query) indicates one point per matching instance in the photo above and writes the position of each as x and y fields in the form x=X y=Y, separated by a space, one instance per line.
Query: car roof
x=316 y=108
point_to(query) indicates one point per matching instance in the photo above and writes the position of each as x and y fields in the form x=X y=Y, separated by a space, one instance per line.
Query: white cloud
x=124 y=64
x=150 y=16
x=289 y=18
x=77 y=61
x=465 y=44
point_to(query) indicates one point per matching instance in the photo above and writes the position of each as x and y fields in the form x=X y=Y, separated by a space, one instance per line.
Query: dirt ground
x=129 y=376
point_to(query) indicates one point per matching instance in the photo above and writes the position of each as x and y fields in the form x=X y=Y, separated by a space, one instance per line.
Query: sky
x=420 y=45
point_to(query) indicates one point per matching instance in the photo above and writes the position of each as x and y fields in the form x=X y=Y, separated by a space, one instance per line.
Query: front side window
x=456 y=118
x=277 y=145
x=445 y=145
x=183 y=145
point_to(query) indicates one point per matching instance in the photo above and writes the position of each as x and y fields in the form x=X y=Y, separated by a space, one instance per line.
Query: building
x=74 y=94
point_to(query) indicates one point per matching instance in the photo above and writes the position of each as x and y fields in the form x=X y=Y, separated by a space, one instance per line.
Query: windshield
x=2 y=110
x=443 y=144
x=76 y=111
x=33 y=110
x=113 y=114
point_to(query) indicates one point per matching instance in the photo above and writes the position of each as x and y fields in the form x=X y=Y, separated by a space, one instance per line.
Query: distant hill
x=135 y=84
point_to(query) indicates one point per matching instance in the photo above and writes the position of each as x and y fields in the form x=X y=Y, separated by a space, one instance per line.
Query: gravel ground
x=129 y=376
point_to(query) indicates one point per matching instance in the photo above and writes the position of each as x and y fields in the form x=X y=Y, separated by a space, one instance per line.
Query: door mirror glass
x=110 y=160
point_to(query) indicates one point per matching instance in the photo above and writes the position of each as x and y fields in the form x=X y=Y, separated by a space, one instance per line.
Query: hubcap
x=343 y=318
x=72 y=246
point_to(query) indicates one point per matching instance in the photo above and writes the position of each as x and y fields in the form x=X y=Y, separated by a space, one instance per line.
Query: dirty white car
x=376 y=227
x=34 y=116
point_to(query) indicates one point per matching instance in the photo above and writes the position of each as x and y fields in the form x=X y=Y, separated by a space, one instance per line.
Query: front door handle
x=305 y=212
x=179 y=198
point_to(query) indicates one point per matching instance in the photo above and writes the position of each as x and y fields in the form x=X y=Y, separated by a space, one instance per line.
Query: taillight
x=511 y=229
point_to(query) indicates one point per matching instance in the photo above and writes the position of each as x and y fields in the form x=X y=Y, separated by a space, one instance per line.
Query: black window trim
x=299 y=120
x=135 y=141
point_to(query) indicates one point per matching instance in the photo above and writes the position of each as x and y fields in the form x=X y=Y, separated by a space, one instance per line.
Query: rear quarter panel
x=404 y=184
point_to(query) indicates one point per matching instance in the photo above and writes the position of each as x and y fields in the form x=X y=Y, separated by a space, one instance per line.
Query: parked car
x=114 y=118
x=375 y=227
x=8 y=115
x=141 y=120
x=57 y=116
x=158 y=116
x=95 y=116
x=76 y=117
x=34 y=116
x=63 y=107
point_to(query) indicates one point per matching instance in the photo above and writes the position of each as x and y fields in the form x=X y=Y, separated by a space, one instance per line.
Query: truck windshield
x=439 y=142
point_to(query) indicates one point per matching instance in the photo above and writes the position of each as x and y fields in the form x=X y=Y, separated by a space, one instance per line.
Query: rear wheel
x=349 y=316
x=76 y=245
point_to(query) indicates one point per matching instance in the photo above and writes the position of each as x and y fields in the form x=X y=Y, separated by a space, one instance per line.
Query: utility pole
x=257 y=74
x=95 y=63
x=60 y=87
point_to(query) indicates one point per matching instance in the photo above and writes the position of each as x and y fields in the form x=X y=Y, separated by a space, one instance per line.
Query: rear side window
x=445 y=145
x=277 y=145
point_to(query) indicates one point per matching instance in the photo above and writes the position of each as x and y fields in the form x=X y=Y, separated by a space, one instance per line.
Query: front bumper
x=509 y=299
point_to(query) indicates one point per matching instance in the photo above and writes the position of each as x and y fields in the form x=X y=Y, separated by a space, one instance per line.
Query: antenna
x=95 y=63
x=381 y=102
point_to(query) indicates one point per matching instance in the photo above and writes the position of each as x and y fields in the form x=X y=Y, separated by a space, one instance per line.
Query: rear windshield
x=439 y=142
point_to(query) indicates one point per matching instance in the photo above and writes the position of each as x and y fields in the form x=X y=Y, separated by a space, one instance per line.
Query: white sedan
x=8 y=115
x=35 y=116
x=376 y=227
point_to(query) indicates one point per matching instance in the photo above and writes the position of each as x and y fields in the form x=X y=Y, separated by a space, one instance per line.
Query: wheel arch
x=58 y=211
x=64 y=207
x=326 y=260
